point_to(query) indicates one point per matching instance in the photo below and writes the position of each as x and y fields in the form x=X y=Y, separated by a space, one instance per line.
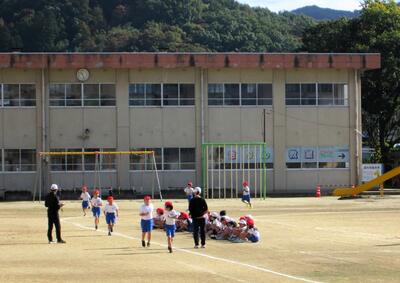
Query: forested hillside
x=146 y=25
x=322 y=14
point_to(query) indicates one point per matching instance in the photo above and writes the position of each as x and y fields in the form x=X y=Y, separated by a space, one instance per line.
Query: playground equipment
x=39 y=183
x=345 y=192
x=226 y=165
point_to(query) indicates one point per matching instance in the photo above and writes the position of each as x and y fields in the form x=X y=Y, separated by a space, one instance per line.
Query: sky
x=280 y=5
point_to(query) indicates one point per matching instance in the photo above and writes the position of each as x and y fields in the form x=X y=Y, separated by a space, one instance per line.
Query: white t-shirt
x=188 y=191
x=96 y=202
x=111 y=208
x=85 y=196
x=217 y=223
x=148 y=209
x=170 y=217
x=246 y=191
x=254 y=232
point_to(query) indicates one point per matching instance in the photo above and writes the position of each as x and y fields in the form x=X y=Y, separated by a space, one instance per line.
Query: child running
x=189 y=191
x=246 y=194
x=170 y=216
x=111 y=213
x=146 y=213
x=97 y=203
x=85 y=197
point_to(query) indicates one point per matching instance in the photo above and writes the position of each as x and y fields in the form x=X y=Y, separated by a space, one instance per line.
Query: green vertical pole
x=265 y=172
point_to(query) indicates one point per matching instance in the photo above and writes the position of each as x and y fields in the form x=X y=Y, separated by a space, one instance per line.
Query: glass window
x=231 y=94
x=28 y=95
x=186 y=92
x=249 y=94
x=325 y=94
x=171 y=158
x=137 y=94
x=57 y=94
x=340 y=94
x=11 y=95
x=19 y=160
x=58 y=162
x=91 y=95
x=264 y=92
x=293 y=94
x=1 y=160
x=107 y=162
x=187 y=159
x=90 y=160
x=215 y=94
x=73 y=94
x=11 y=160
x=308 y=94
x=153 y=94
x=170 y=94
x=107 y=95
x=28 y=160
x=74 y=162
x=145 y=161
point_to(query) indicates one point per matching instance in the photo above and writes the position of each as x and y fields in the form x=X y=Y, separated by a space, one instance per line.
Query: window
x=19 y=160
x=317 y=94
x=161 y=94
x=256 y=94
x=18 y=95
x=314 y=157
x=80 y=162
x=215 y=94
x=82 y=95
x=166 y=159
x=140 y=162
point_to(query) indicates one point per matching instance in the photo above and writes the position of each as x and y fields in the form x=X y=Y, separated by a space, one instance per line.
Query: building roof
x=360 y=61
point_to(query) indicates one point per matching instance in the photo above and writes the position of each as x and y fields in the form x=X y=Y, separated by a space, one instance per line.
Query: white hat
x=54 y=187
x=197 y=190
x=243 y=222
x=215 y=214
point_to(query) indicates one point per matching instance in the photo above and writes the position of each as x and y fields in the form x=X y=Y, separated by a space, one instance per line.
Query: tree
x=376 y=30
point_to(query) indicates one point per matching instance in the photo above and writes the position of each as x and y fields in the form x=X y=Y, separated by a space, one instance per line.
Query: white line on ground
x=297 y=278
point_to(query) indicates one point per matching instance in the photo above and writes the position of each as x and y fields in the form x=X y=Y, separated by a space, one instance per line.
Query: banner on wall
x=309 y=154
x=371 y=171
x=293 y=155
x=250 y=154
x=333 y=154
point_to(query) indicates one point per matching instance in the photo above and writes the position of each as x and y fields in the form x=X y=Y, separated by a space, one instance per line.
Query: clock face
x=82 y=75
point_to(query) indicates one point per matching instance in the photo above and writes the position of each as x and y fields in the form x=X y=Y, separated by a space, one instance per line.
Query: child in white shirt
x=85 y=197
x=111 y=214
x=246 y=194
x=170 y=217
x=146 y=222
x=97 y=203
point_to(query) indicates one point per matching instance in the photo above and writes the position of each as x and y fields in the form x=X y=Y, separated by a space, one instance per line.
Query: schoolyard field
x=302 y=240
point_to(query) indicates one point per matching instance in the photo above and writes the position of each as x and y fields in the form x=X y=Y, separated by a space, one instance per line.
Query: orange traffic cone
x=318 y=191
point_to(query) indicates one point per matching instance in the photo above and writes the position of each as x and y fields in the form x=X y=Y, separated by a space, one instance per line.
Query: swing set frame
x=39 y=183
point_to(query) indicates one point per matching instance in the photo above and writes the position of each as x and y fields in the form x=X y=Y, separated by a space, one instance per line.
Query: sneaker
x=148 y=244
x=170 y=250
x=196 y=246
x=52 y=242
x=251 y=206
x=112 y=229
x=109 y=233
x=61 y=242
x=203 y=246
x=143 y=244
x=95 y=227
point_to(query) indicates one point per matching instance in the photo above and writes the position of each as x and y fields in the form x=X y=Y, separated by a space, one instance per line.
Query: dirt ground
x=303 y=240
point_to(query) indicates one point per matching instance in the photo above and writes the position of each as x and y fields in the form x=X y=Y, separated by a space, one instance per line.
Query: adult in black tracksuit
x=53 y=204
x=198 y=208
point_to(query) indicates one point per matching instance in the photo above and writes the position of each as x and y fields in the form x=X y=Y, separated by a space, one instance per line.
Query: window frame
x=19 y=95
x=20 y=164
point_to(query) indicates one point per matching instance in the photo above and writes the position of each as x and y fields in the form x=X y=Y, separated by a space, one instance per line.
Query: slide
x=345 y=192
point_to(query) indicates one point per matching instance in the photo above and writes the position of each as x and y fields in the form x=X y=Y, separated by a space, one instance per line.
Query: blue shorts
x=189 y=197
x=246 y=198
x=253 y=239
x=85 y=204
x=110 y=218
x=170 y=230
x=147 y=225
x=96 y=211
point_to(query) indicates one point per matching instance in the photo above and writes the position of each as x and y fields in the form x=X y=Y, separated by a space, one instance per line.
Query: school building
x=305 y=107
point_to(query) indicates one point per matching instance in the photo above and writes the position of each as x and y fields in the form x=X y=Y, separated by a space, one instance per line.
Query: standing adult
x=53 y=204
x=198 y=208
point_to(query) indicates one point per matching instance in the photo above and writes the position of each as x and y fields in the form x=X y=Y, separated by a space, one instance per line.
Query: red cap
x=168 y=203
x=190 y=184
x=250 y=222
x=160 y=210
x=184 y=215
x=96 y=191
x=109 y=198
x=242 y=218
x=245 y=183
x=147 y=198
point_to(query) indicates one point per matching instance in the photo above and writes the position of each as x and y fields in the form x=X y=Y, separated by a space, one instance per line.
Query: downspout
x=357 y=131
x=43 y=147
x=202 y=104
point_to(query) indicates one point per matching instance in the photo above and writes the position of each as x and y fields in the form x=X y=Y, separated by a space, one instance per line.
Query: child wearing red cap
x=252 y=234
x=97 y=203
x=146 y=222
x=184 y=223
x=85 y=197
x=158 y=219
x=246 y=194
x=111 y=213
x=170 y=217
